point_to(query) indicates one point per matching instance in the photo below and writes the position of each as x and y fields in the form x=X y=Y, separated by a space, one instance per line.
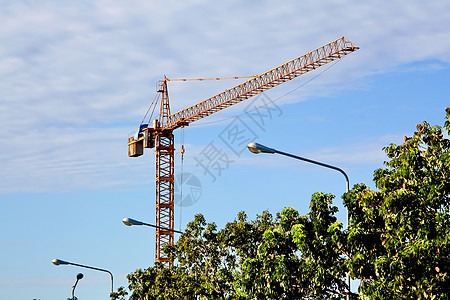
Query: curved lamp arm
x=58 y=262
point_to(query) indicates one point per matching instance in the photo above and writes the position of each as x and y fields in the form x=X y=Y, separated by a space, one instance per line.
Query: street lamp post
x=131 y=222
x=258 y=148
x=79 y=276
x=58 y=262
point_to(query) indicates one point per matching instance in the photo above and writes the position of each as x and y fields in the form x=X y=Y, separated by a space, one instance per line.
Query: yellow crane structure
x=159 y=134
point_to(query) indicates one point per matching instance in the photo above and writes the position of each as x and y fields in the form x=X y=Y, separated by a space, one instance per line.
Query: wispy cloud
x=75 y=77
x=64 y=159
x=367 y=151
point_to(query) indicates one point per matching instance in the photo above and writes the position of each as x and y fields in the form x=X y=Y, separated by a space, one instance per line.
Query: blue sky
x=77 y=78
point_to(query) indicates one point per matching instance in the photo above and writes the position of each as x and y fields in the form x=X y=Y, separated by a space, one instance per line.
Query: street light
x=258 y=148
x=79 y=276
x=130 y=222
x=58 y=262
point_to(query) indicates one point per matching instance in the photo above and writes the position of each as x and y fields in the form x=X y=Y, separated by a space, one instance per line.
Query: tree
x=397 y=244
x=321 y=241
x=399 y=236
x=206 y=262
x=300 y=256
x=286 y=258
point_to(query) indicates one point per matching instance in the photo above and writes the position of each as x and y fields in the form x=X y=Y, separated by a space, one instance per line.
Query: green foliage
x=399 y=235
x=260 y=259
x=299 y=257
x=321 y=241
x=397 y=245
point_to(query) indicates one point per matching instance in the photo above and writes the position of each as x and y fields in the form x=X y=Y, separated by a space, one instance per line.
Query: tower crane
x=159 y=134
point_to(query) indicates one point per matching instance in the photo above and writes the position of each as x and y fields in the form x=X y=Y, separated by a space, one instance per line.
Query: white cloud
x=64 y=159
x=75 y=75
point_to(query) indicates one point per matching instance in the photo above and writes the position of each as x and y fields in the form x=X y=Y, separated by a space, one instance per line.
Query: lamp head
x=58 y=262
x=258 y=148
x=129 y=222
x=79 y=276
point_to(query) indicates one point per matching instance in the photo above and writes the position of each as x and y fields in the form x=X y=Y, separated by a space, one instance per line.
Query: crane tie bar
x=215 y=78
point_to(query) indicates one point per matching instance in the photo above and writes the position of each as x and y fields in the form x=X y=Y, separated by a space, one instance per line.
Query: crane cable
x=272 y=101
x=187 y=79
x=181 y=176
x=238 y=77
x=212 y=78
x=145 y=116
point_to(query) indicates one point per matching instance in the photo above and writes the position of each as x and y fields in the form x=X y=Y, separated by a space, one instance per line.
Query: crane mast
x=165 y=147
x=160 y=134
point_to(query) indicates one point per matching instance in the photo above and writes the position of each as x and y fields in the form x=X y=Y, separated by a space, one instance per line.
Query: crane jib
x=258 y=84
